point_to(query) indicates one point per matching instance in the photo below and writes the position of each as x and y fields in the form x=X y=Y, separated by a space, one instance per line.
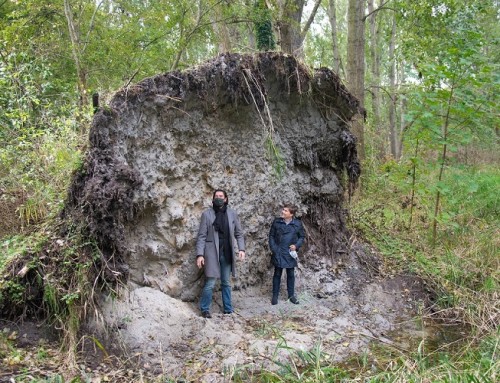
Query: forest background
x=426 y=73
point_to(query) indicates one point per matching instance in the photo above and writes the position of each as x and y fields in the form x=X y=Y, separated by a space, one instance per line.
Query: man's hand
x=293 y=248
x=241 y=255
x=200 y=261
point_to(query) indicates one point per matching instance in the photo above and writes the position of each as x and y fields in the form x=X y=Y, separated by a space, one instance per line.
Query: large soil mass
x=268 y=130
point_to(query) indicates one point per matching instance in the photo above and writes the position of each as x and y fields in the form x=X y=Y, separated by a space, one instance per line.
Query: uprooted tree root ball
x=265 y=128
x=249 y=94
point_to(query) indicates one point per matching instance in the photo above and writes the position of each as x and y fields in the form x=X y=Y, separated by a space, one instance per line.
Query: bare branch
x=91 y=25
x=382 y=6
x=311 y=19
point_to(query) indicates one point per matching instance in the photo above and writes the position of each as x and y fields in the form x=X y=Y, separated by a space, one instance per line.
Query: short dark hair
x=292 y=208
x=221 y=190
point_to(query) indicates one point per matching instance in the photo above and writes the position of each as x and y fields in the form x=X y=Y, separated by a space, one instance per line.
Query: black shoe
x=274 y=301
x=228 y=312
x=294 y=300
x=206 y=314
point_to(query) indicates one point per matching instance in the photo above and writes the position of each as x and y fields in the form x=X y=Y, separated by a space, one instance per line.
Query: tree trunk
x=222 y=31
x=413 y=183
x=393 y=130
x=356 y=65
x=332 y=17
x=185 y=36
x=402 y=111
x=291 y=35
x=444 y=158
x=76 y=50
x=375 y=88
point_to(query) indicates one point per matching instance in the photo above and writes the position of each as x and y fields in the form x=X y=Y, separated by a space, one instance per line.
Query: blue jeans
x=206 y=294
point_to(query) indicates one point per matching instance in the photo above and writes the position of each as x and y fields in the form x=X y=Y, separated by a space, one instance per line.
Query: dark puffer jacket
x=281 y=236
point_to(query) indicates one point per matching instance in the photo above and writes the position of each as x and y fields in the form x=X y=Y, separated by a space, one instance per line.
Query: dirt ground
x=164 y=336
x=182 y=345
x=341 y=316
x=346 y=303
x=144 y=333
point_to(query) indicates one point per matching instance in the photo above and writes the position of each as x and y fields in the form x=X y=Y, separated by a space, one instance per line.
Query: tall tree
x=332 y=18
x=375 y=42
x=221 y=29
x=263 y=26
x=291 y=31
x=79 y=41
x=356 y=64
x=455 y=89
x=393 y=129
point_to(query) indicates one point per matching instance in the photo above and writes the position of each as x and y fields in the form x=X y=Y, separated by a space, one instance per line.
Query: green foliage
x=14 y=291
x=39 y=166
x=38 y=130
x=318 y=51
x=476 y=364
x=463 y=267
x=294 y=366
x=263 y=26
x=453 y=102
x=275 y=156
x=12 y=247
x=473 y=364
x=459 y=79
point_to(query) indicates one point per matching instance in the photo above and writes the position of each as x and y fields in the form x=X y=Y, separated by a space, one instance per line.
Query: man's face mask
x=219 y=202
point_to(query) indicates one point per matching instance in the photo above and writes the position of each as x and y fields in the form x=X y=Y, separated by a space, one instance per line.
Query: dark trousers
x=290 y=281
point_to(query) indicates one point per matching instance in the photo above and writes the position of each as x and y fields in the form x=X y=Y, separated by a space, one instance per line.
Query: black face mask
x=219 y=202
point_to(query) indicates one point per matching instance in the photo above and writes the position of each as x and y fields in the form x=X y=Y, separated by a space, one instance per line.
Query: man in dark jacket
x=285 y=239
x=214 y=250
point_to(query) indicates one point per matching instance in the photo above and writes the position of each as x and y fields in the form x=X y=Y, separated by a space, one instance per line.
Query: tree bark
x=332 y=17
x=444 y=158
x=356 y=65
x=76 y=50
x=185 y=36
x=222 y=31
x=291 y=34
x=392 y=83
x=402 y=111
x=375 y=88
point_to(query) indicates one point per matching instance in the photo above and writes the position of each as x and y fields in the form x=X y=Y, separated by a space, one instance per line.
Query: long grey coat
x=207 y=242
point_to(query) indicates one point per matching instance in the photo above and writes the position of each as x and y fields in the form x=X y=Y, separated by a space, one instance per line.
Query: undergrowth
x=45 y=273
x=464 y=260
x=381 y=364
x=44 y=174
x=394 y=212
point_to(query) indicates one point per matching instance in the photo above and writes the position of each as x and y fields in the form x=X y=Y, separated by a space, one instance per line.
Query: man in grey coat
x=214 y=250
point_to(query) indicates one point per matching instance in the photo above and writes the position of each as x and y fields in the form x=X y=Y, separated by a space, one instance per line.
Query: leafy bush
x=395 y=210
